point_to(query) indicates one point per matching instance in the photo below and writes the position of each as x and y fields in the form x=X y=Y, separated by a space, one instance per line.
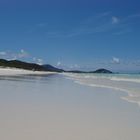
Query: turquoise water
x=118 y=76
x=128 y=83
x=121 y=76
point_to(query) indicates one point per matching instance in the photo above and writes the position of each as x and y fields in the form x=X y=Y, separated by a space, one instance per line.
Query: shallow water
x=56 y=108
x=128 y=83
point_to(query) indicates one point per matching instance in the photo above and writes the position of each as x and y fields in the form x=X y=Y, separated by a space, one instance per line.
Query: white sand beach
x=14 y=71
x=93 y=47
x=56 y=108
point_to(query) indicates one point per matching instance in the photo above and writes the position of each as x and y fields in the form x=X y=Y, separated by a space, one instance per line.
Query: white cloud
x=116 y=60
x=58 y=63
x=115 y=20
x=3 y=53
x=19 y=55
x=38 y=60
x=13 y=56
x=104 y=14
x=74 y=67
x=22 y=54
x=134 y=15
x=99 y=23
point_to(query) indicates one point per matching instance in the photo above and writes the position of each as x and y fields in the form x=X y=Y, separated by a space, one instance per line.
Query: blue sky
x=73 y=34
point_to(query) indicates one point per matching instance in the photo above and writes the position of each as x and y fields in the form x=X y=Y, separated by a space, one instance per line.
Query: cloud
x=122 y=32
x=19 y=55
x=74 y=67
x=38 y=60
x=134 y=16
x=115 y=60
x=3 y=53
x=104 y=14
x=22 y=54
x=115 y=20
x=96 y=17
x=13 y=56
x=99 y=23
x=105 y=22
x=58 y=63
x=39 y=27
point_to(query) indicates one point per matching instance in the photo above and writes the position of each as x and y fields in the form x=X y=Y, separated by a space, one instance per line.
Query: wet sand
x=55 y=108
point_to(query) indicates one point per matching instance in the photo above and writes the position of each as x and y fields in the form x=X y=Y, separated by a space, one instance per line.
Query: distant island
x=102 y=71
x=96 y=71
x=36 y=67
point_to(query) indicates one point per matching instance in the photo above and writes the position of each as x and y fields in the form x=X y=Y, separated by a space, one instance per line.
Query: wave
x=125 y=79
x=124 y=83
x=114 y=77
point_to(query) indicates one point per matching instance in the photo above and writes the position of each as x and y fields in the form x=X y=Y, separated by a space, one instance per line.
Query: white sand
x=55 y=108
x=14 y=71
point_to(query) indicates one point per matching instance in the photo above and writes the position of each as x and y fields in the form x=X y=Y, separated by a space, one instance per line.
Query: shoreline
x=126 y=85
x=61 y=109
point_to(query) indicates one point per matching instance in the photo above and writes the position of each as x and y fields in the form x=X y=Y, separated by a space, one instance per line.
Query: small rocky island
x=102 y=71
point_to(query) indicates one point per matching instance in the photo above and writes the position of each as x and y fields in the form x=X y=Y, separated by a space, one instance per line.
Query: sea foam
x=129 y=84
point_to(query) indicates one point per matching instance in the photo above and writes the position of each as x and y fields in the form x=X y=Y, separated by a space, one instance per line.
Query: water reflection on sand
x=55 y=108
